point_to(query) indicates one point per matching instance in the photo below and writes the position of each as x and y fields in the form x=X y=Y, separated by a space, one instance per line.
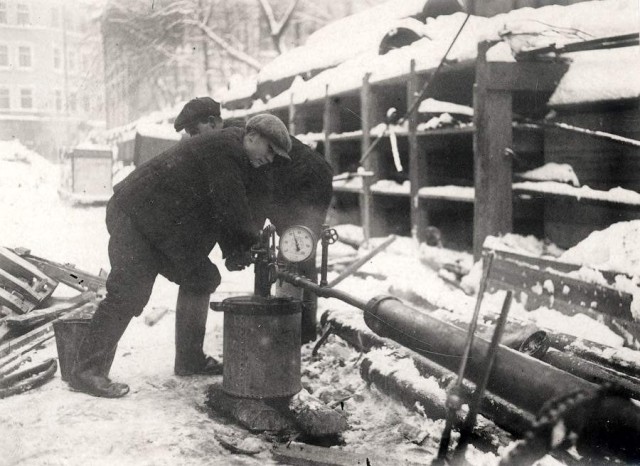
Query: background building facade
x=51 y=87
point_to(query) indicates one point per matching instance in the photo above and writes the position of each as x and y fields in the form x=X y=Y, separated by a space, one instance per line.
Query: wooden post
x=417 y=161
x=368 y=111
x=331 y=124
x=493 y=211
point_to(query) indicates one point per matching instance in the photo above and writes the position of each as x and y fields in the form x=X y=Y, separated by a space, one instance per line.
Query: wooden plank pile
x=28 y=310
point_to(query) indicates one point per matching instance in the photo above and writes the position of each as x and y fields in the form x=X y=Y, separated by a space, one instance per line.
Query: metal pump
x=263 y=255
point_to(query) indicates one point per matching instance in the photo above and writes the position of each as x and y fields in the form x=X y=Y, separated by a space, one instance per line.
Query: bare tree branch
x=226 y=46
x=277 y=28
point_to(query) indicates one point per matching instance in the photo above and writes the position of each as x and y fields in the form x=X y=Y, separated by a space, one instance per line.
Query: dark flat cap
x=273 y=130
x=196 y=110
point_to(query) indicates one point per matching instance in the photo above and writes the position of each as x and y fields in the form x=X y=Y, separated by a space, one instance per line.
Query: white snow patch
x=561 y=172
x=579 y=325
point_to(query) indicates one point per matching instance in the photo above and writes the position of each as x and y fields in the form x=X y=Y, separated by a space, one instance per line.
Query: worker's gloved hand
x=238 y=261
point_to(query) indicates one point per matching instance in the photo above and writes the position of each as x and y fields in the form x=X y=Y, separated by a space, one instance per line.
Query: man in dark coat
x=302 y=192
x=301 y=195
x=165 y=218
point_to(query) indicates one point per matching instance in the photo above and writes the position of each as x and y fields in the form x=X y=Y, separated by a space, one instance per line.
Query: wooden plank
x=542 y=263
x=22 y=341
x=367 y=112
x=493 y=209
x=301 y=454
x=68 y=274
x=21 y=286
x=34 y=317
x=19 y=267
x=331 y=124
x=558 y=291
x=15 y=302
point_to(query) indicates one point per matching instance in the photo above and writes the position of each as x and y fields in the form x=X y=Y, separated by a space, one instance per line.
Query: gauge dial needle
x=295 y=239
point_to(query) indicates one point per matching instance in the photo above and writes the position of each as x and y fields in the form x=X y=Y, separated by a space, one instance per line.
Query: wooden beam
x=524 y=76
x=331 y=124
x=19 y=267
x=493 y=209
x=368 y=111
x=20 y=342
x=417 y=161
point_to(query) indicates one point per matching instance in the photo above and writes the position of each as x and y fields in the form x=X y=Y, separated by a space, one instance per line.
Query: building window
x=57 y=58
x=24 y=56
x=3 y=12
x=55 y=17
x=5 y=103
x=4 y=55
x=26 y=98
x=58 y=98
x=23 y=14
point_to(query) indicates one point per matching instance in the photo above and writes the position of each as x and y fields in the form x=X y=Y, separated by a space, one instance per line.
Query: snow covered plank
x=553 y=290
x=67 y=274
x=619 y=197
x=310 y=455
x=50 y=312
x=23 y=285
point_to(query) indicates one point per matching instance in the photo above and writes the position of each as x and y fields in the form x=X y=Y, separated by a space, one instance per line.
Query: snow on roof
x=588 y=18
x=160 y=131
x=95 y=147
x=599 y=75
x=341 y=40
x=239 y=88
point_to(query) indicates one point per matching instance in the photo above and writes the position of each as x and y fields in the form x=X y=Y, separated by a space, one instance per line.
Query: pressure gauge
x=297 y=243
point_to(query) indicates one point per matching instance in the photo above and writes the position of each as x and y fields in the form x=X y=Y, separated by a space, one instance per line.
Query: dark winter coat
x=302 y=189
x=192 y=196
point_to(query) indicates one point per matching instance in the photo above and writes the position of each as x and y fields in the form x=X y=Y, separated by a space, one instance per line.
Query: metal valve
x=329 y=236
x=263 y=255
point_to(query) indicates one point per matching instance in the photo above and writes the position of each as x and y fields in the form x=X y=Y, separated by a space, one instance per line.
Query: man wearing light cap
x=164 y=219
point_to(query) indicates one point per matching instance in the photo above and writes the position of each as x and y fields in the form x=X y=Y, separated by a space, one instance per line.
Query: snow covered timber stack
x=441 y=166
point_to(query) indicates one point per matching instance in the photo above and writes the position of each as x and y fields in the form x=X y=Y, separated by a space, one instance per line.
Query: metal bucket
x=261 y=346
x=69 y=331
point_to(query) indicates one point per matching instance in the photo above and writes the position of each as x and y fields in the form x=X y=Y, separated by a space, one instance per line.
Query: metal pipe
x=504 y=414
x=518 y=378
x=322 y=291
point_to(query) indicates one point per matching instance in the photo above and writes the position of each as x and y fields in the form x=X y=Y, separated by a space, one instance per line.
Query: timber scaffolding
x=464 y=178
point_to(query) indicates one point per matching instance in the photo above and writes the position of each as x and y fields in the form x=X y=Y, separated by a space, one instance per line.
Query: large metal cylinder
x=261 y=346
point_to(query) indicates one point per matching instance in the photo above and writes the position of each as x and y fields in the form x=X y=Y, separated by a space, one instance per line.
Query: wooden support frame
x=331 y=124
x=493 y=138
x=368 y=111
x=417 y=161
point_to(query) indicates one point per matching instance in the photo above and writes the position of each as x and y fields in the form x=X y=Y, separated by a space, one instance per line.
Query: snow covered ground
x=163 y=420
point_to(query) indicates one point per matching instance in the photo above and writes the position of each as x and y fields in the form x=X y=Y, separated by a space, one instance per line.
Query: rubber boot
x=192 y=310
x=95 y=356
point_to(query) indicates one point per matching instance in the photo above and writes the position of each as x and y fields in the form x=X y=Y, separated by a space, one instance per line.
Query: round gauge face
x=297 y=243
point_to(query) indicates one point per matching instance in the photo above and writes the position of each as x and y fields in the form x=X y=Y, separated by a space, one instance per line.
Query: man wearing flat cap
x=165 y=218
x=301 y=195
x=199 y=116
